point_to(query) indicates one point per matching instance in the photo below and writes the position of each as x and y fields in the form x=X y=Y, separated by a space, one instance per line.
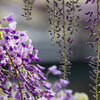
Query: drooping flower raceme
x=28 y=9
x=93 y=22
x=62 y=19
x=60 y=93
x=16 y=52
x=28 y=82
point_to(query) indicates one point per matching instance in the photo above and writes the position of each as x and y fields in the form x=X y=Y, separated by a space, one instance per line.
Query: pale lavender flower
x=17 y=95
x=57 y=87
x=9 y=18
x=46 y=84
x=68 y=92
x=12 y=25
x=64 y=82
x=53 y=70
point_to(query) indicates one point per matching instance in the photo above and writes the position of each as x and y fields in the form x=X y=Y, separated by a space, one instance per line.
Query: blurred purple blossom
x=53 y=70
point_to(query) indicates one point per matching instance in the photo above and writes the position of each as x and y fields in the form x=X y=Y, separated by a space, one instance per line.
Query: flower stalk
x=73 y=16
x=94 y=61
x=54 y=25
x=60 y=13
x=64 y=35
x=98 y=49
x=15 y=74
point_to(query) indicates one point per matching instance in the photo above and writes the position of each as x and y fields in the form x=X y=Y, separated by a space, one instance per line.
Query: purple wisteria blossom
x=87 y=1
x=63 y=18
x=93 y=22
x=17 y=52
x=9 y=18
x=53 y=70
x=64 y=82
x=28 y=82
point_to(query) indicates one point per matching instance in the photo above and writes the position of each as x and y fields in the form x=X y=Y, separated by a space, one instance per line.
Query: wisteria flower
x=53 y=70
x=17 y=52
x=28 y=82
x=64 y=82
x=9 y=18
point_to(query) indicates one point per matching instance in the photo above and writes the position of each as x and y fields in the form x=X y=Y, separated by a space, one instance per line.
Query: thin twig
x=15 y=74
x=98 y=50
x=64 y=35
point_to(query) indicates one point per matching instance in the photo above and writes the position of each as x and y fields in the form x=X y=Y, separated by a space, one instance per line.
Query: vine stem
x=54 y=25
x=73 y=16
x=98 y=50
x=64 y=35
x=15 y=74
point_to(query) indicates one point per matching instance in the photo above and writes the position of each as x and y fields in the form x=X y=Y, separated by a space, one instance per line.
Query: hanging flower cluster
x=63 y=21
x=28 y=82
x=16 y=51
x=94 y=26
x=28 y=9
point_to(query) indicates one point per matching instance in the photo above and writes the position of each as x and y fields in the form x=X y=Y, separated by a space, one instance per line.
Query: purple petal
x=57 y=86
x=16 y=37
x=68 y=92
x=1 y=56
x=17 y=95
x=64 y=82
x=52 y=68
x=46 y=84
x=28 y=68
x=8 y=18
x=34 y=93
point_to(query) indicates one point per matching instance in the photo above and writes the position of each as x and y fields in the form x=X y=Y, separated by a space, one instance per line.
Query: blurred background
x=37 y=30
